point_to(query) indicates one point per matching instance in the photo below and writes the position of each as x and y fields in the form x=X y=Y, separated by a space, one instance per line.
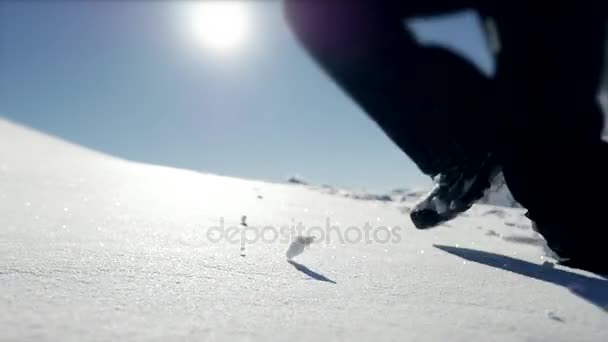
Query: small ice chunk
x=298 y=245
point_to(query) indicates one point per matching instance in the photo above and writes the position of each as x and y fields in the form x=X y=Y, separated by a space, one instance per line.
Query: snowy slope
x=94 y=248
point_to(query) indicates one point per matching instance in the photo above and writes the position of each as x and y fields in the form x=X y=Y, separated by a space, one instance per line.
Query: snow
x=298 y=246
x=95 y=248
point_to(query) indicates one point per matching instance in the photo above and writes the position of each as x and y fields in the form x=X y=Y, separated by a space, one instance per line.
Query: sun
x=219 y=25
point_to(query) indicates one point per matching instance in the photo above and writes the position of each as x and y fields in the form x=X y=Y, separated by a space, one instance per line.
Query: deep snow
x=98 y=248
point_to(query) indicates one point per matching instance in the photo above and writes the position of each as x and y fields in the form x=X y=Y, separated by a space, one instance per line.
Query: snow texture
x=95 y=248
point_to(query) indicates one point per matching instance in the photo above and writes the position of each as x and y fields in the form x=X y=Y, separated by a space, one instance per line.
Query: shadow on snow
x=593 y=290
x=309 y=272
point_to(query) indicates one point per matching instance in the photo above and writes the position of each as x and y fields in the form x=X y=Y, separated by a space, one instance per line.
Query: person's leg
x=553 y=159
x=429 y=101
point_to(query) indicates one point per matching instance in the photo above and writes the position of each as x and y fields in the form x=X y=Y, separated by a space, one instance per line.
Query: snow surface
x=95 y=248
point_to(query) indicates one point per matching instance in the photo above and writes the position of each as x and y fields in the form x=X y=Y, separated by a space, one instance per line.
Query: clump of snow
x=243 y=247
x=298 y=245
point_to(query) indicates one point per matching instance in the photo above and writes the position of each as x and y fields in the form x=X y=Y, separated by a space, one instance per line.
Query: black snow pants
x=538 y=113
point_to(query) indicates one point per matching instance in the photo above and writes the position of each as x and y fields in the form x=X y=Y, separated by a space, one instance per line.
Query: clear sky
x=130 y=78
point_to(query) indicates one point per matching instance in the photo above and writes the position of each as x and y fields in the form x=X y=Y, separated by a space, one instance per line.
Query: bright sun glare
x=220 y=25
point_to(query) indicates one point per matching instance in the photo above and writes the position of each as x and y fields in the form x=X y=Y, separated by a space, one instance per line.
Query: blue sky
x=120 y=77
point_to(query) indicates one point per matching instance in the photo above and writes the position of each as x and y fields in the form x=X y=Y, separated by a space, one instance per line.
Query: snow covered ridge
x=498 y=194
x=96 y=248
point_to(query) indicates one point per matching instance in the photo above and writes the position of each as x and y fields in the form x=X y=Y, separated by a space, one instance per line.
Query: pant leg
x=427 y=100
x=548 y=75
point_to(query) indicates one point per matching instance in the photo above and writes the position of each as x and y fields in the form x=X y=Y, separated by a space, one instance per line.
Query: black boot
x=455 y=191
